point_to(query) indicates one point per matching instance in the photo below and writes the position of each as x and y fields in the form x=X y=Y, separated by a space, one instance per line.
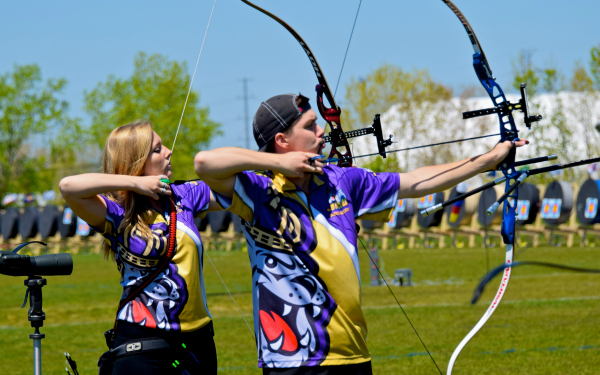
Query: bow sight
x=506 y=108
x=337 y=139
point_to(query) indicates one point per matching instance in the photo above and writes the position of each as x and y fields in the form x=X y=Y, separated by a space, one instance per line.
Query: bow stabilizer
x=497 y=270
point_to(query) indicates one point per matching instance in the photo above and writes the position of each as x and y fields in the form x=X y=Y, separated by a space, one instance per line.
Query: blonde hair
x=126 y=151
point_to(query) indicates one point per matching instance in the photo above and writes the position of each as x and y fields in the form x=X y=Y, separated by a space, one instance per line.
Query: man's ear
x=281 y=142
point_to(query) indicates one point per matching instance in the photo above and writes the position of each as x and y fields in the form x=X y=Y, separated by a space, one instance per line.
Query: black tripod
x=14 y=264
x=36 y=316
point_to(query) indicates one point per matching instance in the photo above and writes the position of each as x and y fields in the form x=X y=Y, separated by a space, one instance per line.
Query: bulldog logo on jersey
x=294 y=310
x=158 y=305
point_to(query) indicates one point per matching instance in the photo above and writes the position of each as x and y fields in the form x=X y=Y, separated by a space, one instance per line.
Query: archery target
x=426 y=201
x=237 y=223
x=486 y=199
x=461 y=212
x=591 y=208
x=557 y=203
x=48 y=221
x=10 y=223
x=368 y=225
x=219 y=221
x=435 y=218
x=402 y=214
x=67 y=223
x=201 y=223
x=28 y=227
x=83 y=228
x=587 y=203
x=528 y=204
x=523 y=208
x=551 y=208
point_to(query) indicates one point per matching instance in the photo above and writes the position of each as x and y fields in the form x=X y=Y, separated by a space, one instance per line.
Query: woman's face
x=158 y=161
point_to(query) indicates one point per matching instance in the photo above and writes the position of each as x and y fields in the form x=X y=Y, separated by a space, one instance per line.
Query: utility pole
x=247 y=124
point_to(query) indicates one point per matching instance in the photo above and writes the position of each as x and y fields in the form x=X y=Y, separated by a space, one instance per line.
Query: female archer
x=148 y=228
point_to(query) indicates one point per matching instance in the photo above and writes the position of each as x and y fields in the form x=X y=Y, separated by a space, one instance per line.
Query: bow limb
x=330 y=114
x=193 y=76
x=488 y=313
x=508 y=132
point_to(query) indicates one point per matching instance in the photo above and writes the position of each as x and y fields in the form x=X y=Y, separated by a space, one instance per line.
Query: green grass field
x=547 y=323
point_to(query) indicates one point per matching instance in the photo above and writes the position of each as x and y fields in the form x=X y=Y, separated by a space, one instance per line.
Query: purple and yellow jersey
x=176 y=299
x=305 y=271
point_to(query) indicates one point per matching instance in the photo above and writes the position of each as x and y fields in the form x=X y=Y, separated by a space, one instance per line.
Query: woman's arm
x=218 y=167
x=426 y=180
x=81 y=192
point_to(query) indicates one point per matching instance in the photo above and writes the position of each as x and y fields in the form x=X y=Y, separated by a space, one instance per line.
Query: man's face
x=305 y=134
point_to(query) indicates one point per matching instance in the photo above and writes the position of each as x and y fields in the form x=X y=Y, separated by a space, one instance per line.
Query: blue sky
x=84 y=42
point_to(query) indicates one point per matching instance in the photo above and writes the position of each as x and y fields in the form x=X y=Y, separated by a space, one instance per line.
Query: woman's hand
x=297 y=164
x=151 y=186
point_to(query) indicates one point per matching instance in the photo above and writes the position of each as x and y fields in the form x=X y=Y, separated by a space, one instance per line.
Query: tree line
x=40 y=142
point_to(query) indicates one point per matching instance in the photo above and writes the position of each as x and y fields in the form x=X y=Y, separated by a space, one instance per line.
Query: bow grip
x=332 y=116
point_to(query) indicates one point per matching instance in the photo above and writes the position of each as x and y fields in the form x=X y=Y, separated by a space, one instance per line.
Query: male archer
x=299 y=222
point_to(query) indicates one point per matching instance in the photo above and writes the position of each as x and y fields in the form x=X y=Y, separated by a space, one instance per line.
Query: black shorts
x=200 y=344
x=357 y=369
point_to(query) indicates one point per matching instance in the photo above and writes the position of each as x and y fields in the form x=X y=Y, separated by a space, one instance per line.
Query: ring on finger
x=162 y=190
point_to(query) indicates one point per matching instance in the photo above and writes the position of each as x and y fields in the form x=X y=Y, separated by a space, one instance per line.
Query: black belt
x=137 y=346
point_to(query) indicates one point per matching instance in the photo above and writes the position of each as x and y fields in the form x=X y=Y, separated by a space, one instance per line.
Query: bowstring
x=193 y=76
x=381 y=275
x=347 y=48
x=173 y=148
x=356 y=233
x=344 y=60
x=230 y=295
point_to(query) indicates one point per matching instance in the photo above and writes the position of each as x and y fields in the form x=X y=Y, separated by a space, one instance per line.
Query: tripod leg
x=37 y=356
